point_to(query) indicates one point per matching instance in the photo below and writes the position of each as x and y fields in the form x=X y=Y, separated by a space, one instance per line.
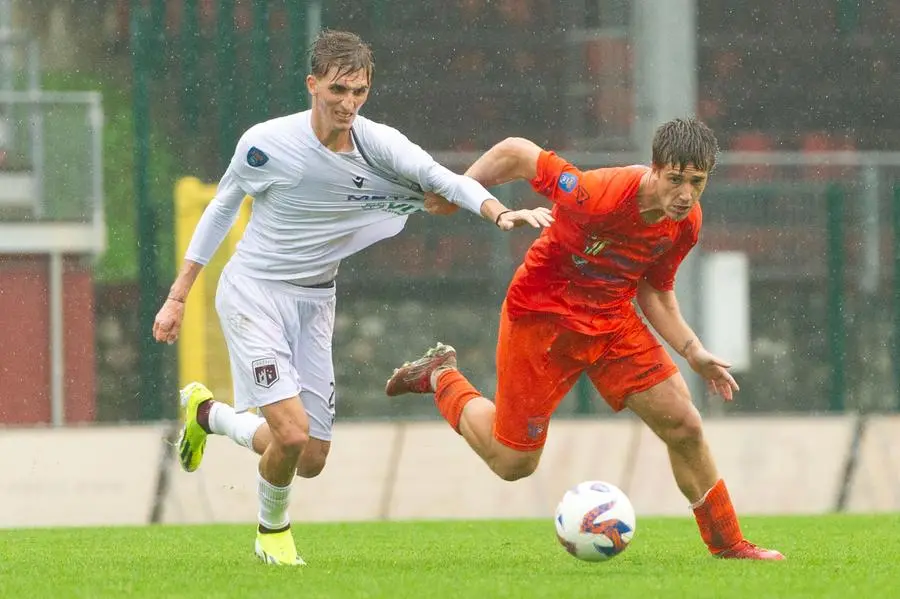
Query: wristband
x=497 y=220
x=175 y=299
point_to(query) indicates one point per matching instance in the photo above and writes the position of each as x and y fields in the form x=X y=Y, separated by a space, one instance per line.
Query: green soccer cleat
x=192 y=440
x=278 y=549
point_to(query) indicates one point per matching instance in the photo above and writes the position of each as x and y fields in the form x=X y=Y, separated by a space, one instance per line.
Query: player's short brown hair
x=683 y=141
x=340 y=49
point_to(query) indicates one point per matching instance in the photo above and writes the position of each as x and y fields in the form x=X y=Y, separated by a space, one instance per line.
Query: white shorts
x=279 y=344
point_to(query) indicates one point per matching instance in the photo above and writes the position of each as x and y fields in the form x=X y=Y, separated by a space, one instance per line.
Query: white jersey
x=313 y=207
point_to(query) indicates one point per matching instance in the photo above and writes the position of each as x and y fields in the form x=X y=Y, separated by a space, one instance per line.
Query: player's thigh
x=260 y=356
x=533 y=376
x=311 y=344
x=633 y=363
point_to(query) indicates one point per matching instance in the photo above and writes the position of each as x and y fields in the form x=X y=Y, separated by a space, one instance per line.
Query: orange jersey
x=585 y=267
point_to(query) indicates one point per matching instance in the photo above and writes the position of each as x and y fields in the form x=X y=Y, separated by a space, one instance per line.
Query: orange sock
x=717 y=520
x=452 y=394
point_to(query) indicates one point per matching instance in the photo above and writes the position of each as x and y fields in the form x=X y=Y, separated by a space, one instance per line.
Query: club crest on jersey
x=265 y=372
x=595 y=246
x=568 y=182
x=256 y=157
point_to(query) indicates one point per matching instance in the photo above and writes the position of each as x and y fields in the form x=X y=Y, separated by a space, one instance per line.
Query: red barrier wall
x=25 y=340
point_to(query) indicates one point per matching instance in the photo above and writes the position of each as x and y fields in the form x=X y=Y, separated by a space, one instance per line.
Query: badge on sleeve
x=256 y=157
x=567 y=182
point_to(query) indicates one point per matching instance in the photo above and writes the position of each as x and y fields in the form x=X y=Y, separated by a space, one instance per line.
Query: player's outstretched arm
x=493 y=210
x=511 y=159
x=393 y=151
x=662 y=312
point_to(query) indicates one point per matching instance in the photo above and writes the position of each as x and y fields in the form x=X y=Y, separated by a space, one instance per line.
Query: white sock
x=240 y=428
x=273 y=504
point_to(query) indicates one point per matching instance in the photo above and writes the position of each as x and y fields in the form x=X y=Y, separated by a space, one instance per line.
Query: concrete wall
x=876 y=480
x=79 y=476
x=121 y=475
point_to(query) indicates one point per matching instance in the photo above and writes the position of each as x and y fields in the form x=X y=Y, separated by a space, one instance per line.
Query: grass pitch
x=833 y=556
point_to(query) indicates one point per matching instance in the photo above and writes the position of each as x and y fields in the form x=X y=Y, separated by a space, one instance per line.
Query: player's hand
x=715 y=372
x=537 y=218
x=438 y=205
x=168 y=321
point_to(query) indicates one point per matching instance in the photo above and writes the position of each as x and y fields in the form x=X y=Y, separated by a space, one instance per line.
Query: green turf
x=834 y=556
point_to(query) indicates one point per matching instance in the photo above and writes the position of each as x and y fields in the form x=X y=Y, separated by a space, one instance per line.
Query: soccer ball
x=595 y=521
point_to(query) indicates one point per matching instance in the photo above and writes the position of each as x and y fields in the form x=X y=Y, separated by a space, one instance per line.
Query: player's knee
x=515 y=467
x=311 y=468
x=291 y=439
x=685 y=430
x=312 y=461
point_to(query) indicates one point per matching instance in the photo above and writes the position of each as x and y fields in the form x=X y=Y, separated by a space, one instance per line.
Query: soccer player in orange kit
x=619 y=235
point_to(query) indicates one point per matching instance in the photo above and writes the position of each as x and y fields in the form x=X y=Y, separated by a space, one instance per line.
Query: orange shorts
x=539 y=361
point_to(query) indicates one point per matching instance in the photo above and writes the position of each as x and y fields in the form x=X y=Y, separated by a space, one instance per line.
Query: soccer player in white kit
x=326 y=184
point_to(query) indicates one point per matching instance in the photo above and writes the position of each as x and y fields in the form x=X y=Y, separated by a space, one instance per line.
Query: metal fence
x=568 y=74
x=821 y=231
